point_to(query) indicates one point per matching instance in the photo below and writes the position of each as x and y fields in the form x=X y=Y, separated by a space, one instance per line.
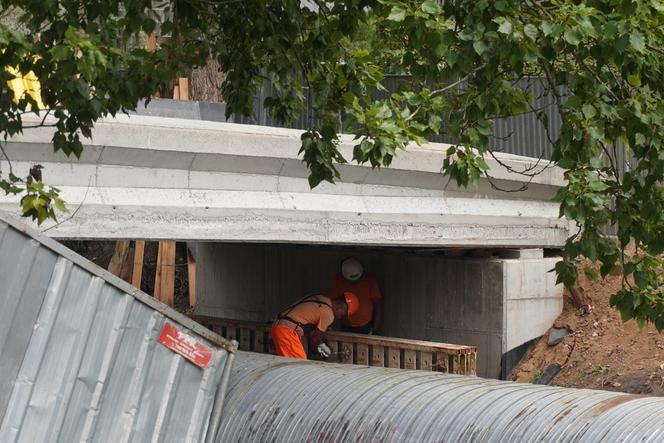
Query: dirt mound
x=601 y=352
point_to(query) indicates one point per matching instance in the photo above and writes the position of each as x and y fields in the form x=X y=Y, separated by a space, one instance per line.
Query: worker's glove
x=324 y=350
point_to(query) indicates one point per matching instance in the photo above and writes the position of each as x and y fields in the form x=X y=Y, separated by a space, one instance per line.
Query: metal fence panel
x=524 y=135
x=282 y=400
x=21 y=297
x=80 y=357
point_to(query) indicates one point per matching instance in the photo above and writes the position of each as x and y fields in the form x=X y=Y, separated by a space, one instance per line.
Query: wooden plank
x=151 y=42
x=120 y=256
x=424 y=360
x=225 y=321
x=347 y=354
x=165 y=276
x=362 y=354
x=176 y=92
x=157 y=273
x=393 y=356
x=168 y=273
x=417 y=345
x=258 y=341
x=456 y=365
x=245 y=339
x=388 y=341
x=137 y=271
x=434 y=356
x=231 y=333
x=183 y=86
x=151 y=46
x=191 y=278
x=441 y=362
x=127 y=266
x=377 y=354
x=334 y=347
x=371 y=340
x=409 y=359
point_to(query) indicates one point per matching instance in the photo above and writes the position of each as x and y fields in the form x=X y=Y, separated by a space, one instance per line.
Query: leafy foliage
x=600 y=59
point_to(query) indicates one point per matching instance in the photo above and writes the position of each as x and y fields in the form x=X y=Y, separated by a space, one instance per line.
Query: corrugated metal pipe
x=218 y=407
x=283 y=400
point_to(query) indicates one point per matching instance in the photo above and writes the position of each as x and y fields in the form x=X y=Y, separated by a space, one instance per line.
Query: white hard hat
x=352 y=269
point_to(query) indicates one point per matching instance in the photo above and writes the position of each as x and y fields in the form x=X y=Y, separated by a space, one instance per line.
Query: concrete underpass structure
x=264 y=239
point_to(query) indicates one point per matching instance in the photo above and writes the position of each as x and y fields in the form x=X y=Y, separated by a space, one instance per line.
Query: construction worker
x=311 y=315
x=353 y=278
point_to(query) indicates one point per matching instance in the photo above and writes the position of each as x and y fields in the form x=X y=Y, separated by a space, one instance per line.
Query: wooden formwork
x=360 y=349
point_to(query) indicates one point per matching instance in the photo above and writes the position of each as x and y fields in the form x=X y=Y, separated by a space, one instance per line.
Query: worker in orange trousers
x=311 y=315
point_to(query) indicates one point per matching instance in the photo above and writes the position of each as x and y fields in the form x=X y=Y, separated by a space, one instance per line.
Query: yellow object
x=25 y=84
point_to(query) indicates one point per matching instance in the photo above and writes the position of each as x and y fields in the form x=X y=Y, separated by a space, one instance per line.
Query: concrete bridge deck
x=156 y=177
x=165 y=178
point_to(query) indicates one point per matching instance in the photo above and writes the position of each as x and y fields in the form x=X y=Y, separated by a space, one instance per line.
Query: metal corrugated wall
x=281 y=400
x=521 y=135
x=79 y=357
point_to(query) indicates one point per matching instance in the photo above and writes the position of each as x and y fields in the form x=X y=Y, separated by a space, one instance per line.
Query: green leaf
x=637 y=41
x=634 y=79
x=505 y=27
x=572 y=36
x=431 y=7
x=589 y=111
x=60 y=205
x=397 y=14
x=531 y=31
x=590 y=273
x=480 y=47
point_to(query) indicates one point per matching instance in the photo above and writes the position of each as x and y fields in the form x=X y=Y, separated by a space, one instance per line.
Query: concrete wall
x=495 y=304
x=532 y=298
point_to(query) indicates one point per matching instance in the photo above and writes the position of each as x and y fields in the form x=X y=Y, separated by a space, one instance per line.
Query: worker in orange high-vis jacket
x=353 y=278
x=311 y=315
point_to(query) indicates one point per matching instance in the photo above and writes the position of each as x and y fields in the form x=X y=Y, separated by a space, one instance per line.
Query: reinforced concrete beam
x=158 y=178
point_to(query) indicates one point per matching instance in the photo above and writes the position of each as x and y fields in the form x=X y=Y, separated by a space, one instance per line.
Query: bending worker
x=368 y=317
x=311 y=315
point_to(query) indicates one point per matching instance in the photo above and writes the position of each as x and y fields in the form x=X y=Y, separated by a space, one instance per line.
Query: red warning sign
x=185 y=345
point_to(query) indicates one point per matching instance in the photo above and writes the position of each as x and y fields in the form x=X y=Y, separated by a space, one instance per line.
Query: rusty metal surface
x=79 y=355
x=283 y=400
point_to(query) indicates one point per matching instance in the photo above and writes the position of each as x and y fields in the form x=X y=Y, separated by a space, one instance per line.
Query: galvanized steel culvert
x=283 y=400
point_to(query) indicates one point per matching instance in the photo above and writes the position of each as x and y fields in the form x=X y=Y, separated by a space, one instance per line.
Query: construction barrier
x=84 y=356
x=359 y=349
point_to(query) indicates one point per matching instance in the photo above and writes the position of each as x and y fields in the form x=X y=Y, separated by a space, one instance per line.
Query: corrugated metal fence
x=80 y=358
x=271 y=399
x=522 y=135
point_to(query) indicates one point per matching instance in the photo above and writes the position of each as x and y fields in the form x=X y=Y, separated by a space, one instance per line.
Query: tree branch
x=458 y=82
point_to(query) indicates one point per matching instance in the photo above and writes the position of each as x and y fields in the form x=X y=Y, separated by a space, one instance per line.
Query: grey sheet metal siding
x=521 y=135
x=281 y=400
x=79 y=356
